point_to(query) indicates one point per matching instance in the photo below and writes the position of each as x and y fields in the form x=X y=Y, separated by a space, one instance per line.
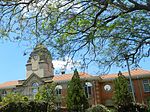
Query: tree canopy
x=97 y=28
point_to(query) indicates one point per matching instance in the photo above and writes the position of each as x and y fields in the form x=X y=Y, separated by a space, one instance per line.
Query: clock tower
x=40 y=63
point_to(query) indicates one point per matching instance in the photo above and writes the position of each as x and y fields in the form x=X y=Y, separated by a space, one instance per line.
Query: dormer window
x=58 y=89
x=88 y=89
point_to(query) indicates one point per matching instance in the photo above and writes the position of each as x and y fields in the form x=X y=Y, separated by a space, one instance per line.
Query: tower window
x=88 y=89
x=35 y=87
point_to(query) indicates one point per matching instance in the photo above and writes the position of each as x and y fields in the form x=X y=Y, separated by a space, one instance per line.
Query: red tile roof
x=134 y=73
x=66 y=77
x=9 y=84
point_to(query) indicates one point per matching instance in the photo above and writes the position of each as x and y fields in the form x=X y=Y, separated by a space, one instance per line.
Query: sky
x=12 y=63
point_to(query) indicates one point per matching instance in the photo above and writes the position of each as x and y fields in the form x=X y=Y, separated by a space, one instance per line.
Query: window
x=88 y=89
x=58 y=89
x=107 y=87
x=58 y=105
x=146 y=85
x=35 y=87
x=4 y=92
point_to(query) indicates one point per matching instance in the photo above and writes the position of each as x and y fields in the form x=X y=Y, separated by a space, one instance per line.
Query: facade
x=98 y=89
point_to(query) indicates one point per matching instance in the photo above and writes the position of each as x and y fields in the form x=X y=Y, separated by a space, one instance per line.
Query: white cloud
x=67 y=64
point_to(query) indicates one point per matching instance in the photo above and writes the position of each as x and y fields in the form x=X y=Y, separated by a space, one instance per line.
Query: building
x=98 y=89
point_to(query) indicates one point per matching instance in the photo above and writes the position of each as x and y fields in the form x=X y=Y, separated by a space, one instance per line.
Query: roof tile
x=9 y=84
x=134 y=73
x=66 y=77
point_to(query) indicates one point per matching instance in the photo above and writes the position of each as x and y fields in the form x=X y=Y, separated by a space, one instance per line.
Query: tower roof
x=41 y=51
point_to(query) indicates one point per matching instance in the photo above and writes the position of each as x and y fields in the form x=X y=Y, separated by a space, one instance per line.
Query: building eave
x=133 y=77
x=8 y=87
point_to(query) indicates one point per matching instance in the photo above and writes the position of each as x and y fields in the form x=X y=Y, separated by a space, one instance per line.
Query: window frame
x=88 y=89
x=58 y=90
x=34 y=86
x=146 y=84
x=4 y=92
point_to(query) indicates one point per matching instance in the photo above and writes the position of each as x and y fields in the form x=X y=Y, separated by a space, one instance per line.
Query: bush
x=133 y=107
x=24 y=107
x=98 y=108
x=14 y=97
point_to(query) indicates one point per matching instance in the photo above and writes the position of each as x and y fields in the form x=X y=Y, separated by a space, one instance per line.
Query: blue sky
x=12 y=63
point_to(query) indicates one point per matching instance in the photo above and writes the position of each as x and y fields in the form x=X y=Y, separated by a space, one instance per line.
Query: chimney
x=62 y=71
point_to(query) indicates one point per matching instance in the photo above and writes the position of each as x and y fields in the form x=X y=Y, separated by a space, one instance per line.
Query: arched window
x=58 y=89
x=88 y=89
x=35 y=87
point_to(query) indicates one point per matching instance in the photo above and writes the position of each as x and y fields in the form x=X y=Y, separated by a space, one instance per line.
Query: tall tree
x=108 y=27
x=76 y=99
x=122 y=96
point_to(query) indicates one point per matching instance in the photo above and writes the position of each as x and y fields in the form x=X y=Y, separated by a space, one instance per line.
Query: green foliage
x=122 y=96
x=14 y=97
x=123 y=99
x=0 y=98
x=24 y=107
x=133 y=107
x=98 y=108
x=105 y=28
x=46 y=93
x=76 y=99
x=148 y=103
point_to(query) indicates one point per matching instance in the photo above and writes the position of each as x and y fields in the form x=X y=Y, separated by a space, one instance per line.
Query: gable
x=31 y=79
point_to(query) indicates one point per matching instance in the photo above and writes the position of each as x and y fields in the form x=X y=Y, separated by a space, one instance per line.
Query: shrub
x=133 y=107
x=14 y=97
x=25 y=107
x=98 y=108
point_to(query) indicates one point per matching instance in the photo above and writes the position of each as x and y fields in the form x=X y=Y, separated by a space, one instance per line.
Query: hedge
x=98 y=108
x=31 y=106
x=133 y=107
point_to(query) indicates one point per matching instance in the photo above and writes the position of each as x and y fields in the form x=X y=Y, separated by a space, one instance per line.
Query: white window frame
x=58 y=90
x=89 y=91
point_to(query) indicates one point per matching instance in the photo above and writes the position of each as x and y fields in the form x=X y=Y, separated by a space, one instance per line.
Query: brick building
x=98 y=89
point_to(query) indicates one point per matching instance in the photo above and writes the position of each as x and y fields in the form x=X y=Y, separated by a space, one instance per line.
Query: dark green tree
x=76 y=99
x=122 y=96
